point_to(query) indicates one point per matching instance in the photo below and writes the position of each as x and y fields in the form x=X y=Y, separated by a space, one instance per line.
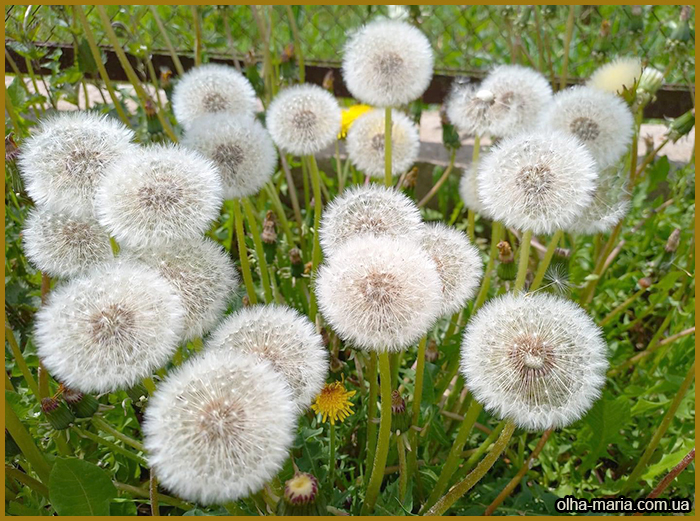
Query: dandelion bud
x=365 y=142
x=535 y=359
x=649 y=83
x=506 y=269
x=297 y=264
x=682 y=125
x=64 y=161
x=400 y=417
x=82 y=405
x=411 y=177
x=372 y=208
x=673 y=240
x=269 y=234
x=432 y=353
x=304 y=119
x=302 y=497
x=387 y=63
x=645 y=283
x=212 y=88
x=505 y=252
x=59 y=415
x=617 y=76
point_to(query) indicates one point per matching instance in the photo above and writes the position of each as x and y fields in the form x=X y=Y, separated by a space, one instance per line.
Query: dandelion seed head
x=63 y=162
x=540 y=182
x=468 y=108
x=203 y=275
x=210 y=89
x=387 y=63
x=219 y=427
x=469 y=192
x=371 y=208
x=617 y=75
x=458 y=262
x=285 y=339
x=240 y=147
x=61 y=245
x=379 y=292
x=365 y=143
x=610 y=204
x=110 y=328
x=602 y=121
x=333 y=403
x=158 y=196
x=304 y=119
x=536 y=359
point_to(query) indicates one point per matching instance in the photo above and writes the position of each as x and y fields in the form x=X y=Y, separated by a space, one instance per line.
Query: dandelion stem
x=153 y=491
x=440 y=181
x=36 y=485
x=101 y=424
x=145 y=494
x=473 y=478
x=453 y=459
x=375 y=481
x=546 y=260
x=415 y=407
x=197 y=36
x=243 y=252
x=523 y=261
x=19 y=360
x=496 y=232
x=476 y=455
x=403 y=469
x=26 y=444
x=371 y=410
x=109 y=445
x=168 y=44
x=660 y=431
x=664 y=483
x=316 y=255
x=567 y=44
x=387 y=147
x=259 y=250
x=619 y=309
x=471 y=217
x=297 y=44
x=279 y=210
x=331 y=459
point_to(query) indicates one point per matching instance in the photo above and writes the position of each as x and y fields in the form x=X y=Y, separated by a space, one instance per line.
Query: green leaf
x=668 y=461
x=605 y=420
x=79 y=488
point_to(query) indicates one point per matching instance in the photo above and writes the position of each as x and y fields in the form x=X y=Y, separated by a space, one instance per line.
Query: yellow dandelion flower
x=334 y=402
x=348 y=116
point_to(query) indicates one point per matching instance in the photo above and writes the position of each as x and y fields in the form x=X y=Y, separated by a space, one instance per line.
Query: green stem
x=523 y=261
x=19 y=360
x=440 y=181
x=111 y=446
x=168 y=44
x=371 y=410
x=476 y=456
x=243 y=252
x=403 y=469
x=35 y=485
x=279 y=210
x=496 y=233
x=415 y=411
x=567 y=45
x=297 y=44
x=331 y=459
x=453 y=459
x=259 y=250
x=197 y=36
x=387 y=147
x=546 y=260
x=619 y=309
x=145 y=494
x=660 y=431
x=473 y=478
x=375 y=481
x=316 y=255
x=26 y=444
x=102 y=425
x=153 y=493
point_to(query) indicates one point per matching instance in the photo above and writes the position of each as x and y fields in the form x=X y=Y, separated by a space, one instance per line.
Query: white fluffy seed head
x=203 y=275
x=304 y=119
x=617 y=75
x=387 y=63
x=469 y=192
x=158 y=196
x=64 y=246
x=610 y=204
x=600 y=120
x=365 y=143
x=369 y=209
x=380 y=293
x=508 y=101
x=212 y=88
x=458 y=262
x=285 y=339
x=219 y=427
x=63 y=162
x=536 y=359
x=540 y=182
x=241 y=148
x=109 y=329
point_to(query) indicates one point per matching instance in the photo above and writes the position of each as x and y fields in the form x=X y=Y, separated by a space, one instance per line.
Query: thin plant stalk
x=480 y=451
x=168 y=44
x=371 y=410
x=375 y=481
x=109 y=445
x=20 y=361
x=13 y=115
x=316 y=255
x=508 y=489
x=415 y=406
x=229 y=38
x=26 y=444
x=145 y=494
x=387 y=147
x=653 y=346
x=440 y=181
x=496 y=233
x=103 y=425
x=546 y=260
x=243 y=252
x=197 y=36
x=668 y=479
x=279 y=210
x=475 y=476
x=659 y=433
x=403 y=468
x=523 y=261
x=293 y=197
x=471 y=218
x=259 y=250
x=36 y=485
x=331 y=458
x=153 y=493
x=567 y=44
x=297 y=44
x=622 y=307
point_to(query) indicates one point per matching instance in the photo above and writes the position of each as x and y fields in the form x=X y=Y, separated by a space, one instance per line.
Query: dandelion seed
x=109 y=329
x=535 y=359
x=158 y=196
x=365 y=143
x=304 y=119
x=202 y=273
x=283 y=337
x=379 y=292
x=219 y=427
x=333 y=403
x=617 y=75
x=63 y=162
x=241 y=148
x=610 y=204
x=64 y=246
x=212 y=88
x=458 y=263
x=602 y=121
x=539 y=182
x=556 y=277
x=387 y=63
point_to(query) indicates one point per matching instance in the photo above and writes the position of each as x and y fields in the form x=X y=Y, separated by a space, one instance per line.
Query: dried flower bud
x=166 y=78
x=246 y=301
x=400 y=417
x=682 y=125
x=269 y=235
x=409 y=180
x=295 y=256
x=673 y=240
x=82 y=405
x=336 y=364
x=328 y=80
x=287 y=53
x=431 y=351
x=644 y=283
x=58 y=413
x=308 y=267
x=505 y=252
